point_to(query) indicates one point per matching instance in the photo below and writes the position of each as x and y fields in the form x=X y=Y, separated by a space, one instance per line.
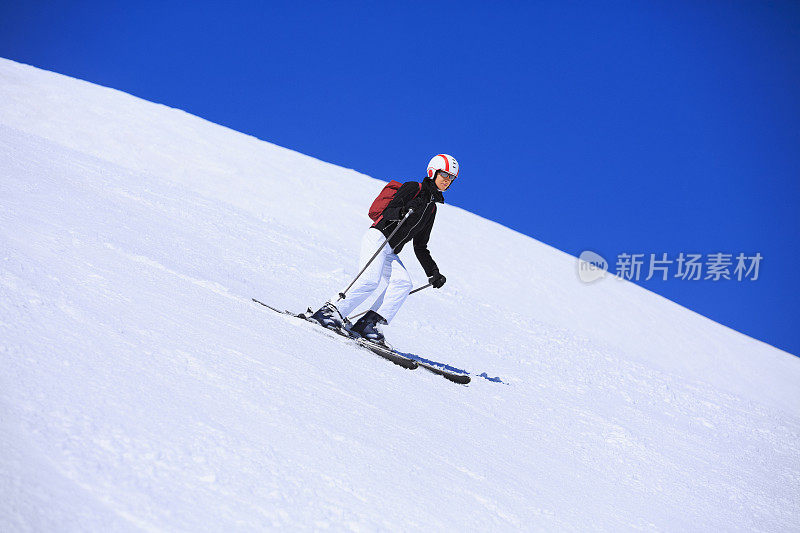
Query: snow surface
x=142 y=389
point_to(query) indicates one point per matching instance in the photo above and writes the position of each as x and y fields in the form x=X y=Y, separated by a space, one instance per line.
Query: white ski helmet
x=444 y=162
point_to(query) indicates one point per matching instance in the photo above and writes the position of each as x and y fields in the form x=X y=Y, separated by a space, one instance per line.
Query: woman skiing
x=386 y=276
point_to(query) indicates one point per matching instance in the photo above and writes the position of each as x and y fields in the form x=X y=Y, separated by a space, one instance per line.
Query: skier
x=386 y=276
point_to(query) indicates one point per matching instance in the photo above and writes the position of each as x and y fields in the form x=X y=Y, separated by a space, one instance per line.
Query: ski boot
x=329 y=317
x=366 y=327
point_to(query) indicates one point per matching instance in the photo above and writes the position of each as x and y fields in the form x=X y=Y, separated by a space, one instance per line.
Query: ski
x=385 y=352
x=381 y=350
x=388 y=353
x=455 y=377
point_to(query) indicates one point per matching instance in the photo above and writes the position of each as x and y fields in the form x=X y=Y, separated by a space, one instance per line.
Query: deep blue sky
x=638 y=127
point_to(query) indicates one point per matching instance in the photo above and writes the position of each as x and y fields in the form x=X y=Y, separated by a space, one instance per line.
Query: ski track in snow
x=143 y=390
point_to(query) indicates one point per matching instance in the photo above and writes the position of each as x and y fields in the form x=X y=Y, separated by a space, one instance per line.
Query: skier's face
x=443 y=180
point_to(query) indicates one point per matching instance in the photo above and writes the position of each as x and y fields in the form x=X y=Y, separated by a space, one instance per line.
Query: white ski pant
x=386 y=277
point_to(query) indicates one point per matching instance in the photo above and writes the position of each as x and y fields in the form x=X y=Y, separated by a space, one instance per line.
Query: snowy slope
x=142 y=389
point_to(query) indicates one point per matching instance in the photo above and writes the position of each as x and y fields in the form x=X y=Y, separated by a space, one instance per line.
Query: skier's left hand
x=437 y=280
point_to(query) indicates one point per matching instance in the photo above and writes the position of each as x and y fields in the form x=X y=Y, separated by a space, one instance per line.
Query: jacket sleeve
x=404 y=194
x=421 y=247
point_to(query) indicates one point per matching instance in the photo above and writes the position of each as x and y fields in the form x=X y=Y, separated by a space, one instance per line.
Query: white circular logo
x=591 y=266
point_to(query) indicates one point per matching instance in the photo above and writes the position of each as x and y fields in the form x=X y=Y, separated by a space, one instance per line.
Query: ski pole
x=410 y=293
x=342 y=295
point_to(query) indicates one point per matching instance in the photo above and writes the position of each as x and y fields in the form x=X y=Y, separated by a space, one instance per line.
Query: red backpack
x=383 y=199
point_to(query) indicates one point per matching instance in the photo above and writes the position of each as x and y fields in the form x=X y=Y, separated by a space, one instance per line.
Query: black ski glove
x=417 y=204
x=393 y=213
x=437 y=280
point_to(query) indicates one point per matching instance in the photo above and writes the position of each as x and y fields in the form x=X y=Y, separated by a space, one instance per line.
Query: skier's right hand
x=437 y=280
x=404 y=212
x=417 y=204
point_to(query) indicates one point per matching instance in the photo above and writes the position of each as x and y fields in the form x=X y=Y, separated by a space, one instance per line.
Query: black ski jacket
x=418 y=226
